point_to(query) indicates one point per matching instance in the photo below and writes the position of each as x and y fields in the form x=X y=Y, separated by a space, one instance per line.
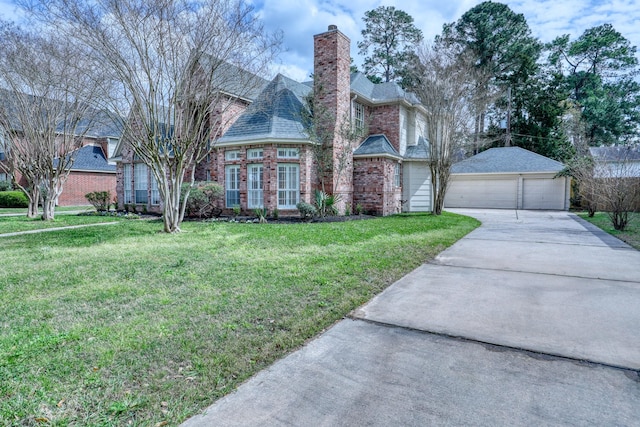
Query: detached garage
x=508 y=178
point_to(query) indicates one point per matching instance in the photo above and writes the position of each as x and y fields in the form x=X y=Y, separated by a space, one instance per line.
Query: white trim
x=373 y=156
x=262 y=141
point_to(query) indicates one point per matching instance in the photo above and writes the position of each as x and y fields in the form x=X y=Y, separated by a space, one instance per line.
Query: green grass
x=123 y=325
x=12 y=224
x=630 y=235
x=59 y=209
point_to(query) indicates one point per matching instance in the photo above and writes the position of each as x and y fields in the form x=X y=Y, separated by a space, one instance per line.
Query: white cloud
x=301 y=19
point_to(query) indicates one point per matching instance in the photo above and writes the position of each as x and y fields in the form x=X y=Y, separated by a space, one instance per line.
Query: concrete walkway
x=532 y=319
x=44 y=230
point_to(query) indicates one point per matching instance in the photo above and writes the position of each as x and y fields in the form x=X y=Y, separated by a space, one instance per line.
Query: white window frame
x=230 y=155
x=288 y=153
x=358 y=116
x=127 y=184
x=155 y=192
x=208 y=175
x=255 y=153
x=255 y=184
x=232 y=185
x=288 y=185
x=396 y=175
x=141 y=183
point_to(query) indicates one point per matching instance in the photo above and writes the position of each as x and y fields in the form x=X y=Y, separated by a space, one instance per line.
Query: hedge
x=13 y=199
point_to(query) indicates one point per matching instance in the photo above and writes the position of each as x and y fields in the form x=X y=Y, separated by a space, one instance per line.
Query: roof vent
x=333 y=27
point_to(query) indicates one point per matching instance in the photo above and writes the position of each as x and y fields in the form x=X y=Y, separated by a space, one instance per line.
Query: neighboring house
x=618 y=160
x=265 y=159
x=91 y=170
x=508 y=178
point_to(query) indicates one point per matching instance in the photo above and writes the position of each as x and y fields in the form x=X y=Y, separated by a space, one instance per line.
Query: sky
x=299 y=20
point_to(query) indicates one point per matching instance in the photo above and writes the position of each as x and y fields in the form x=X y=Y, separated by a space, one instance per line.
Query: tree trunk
x=48 y=208
x=34 y=199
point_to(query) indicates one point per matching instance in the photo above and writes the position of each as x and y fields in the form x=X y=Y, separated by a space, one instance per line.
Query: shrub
x=5 y=186
x=13 y=199
x=359 y=209
x=326 y=203
x=347 y=209
x=275 y=213
x=307 y=211
x=261 y=213
x=99 y=199
x=203 y=199
x=236 y=210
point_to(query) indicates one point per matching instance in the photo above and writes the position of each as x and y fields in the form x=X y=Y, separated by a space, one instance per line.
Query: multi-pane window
x=232 y=185
x=288 y=153
x=288 y=186
x=208 y=177
x=127 y=183
x=155 y=193
x=255 y=153
x=358 y=116
x=254 y=186
x=232 y=155
x=396 y=175
x=141 y=183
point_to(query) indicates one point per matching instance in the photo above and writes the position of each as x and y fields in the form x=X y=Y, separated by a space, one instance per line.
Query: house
x=91 y=169
x=265 y=159
x=508 y=178
x=618 y=160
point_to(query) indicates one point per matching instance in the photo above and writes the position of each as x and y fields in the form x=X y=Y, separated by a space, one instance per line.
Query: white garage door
x=543 y=194
x=482 y=193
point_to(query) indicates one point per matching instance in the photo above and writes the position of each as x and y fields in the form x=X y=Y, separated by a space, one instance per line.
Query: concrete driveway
x=532 y=319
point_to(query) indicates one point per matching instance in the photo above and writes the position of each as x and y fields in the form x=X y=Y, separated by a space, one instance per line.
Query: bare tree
x=181 y=70
x=45 y=110
x=443 y=81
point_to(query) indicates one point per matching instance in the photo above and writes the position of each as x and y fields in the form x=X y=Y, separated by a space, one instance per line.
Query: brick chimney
x=331 y=68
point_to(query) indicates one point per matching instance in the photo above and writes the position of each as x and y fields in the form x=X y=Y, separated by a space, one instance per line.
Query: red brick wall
x=80 y=183
x=386 y=119
x=332 y=59
x=374 y=186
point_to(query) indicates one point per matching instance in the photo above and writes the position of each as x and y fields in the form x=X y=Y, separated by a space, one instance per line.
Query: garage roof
x=507 y=160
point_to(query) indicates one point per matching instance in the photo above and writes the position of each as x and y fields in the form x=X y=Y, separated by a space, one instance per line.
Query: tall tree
x=391 y=36
x=443 y=81
x=46 y=107
x=502 y=45
x=600 y=69
x=180 y=67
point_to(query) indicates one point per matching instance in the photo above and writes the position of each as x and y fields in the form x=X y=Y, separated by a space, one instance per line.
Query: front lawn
x=59 y=209
x=630 y=235
x=12 y=224
x=123 y=325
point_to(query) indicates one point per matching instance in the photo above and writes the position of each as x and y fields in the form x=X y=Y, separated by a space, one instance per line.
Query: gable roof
x=376 y=146
x=275 y=114
x=505 y=160
x=616 y=153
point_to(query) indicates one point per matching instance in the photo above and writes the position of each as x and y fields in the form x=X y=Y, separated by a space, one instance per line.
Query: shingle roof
x=420 y=151
x=96 y=123
x=91 y=158
x=276 y=113
x=379 y=92
x=233 y=79
x=376 y=145
x=505 y=160
x=616 y=153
